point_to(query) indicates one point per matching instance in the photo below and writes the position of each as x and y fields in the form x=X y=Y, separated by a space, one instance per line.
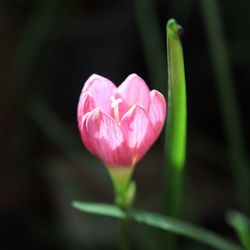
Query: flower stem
x=124 y=234
x=125 y=191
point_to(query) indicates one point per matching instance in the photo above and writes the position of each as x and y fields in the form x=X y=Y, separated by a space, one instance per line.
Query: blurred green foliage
x=48 y=48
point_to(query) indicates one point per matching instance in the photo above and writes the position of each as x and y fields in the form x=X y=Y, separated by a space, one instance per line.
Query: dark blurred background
x=48 y=48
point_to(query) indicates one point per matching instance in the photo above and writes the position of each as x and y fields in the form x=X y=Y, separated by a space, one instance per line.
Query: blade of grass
x=175 y=141
x=33 y=35
x=152 y=42
x=62 y=137
x=45 y=16
x=4 y=4
x=58 y=132
x=158 y=221
x=229 y=108
x=241 y=224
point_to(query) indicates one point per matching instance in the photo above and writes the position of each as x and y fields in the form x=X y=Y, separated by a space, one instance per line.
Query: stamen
x=115 y=105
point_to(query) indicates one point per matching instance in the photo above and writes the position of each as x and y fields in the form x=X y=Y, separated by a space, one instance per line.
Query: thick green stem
x=125 y=191
x=124 y=234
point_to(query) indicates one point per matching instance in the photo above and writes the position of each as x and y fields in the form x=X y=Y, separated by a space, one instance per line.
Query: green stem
x=229 y=108
x=125 y=191
x=124 y=234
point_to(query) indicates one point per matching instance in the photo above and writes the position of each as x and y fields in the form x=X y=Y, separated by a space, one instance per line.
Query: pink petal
x=137 y=129
x=135 y=91
x=85 y=105
x=157 y=111
x=101 y=89
x=104 y=138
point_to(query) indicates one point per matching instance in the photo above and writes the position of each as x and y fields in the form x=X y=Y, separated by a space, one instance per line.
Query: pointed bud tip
x=174 y=27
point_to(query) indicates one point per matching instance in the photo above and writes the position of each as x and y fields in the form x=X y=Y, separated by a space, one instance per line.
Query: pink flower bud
x=119 y=124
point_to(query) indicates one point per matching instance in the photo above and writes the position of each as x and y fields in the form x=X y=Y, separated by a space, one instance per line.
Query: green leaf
x=175 y=141
x=176 y=124
x=162 y=222
x=176 y=116
x=241 y=225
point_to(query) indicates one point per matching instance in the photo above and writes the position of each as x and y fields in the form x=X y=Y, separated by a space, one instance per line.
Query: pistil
x=115 y=105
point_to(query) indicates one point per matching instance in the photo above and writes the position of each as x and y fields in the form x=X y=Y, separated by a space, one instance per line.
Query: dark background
x=48 y=48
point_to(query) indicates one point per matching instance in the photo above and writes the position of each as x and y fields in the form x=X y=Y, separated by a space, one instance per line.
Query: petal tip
x=134 y=76
x=156 y=94
x=158 y=110
x=135 y=90
x=93 y=78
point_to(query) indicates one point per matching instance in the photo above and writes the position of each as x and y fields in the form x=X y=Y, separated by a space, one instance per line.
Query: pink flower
x=119 y=124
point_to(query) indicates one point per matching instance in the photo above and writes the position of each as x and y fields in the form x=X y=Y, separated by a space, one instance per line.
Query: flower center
x=115 y=105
